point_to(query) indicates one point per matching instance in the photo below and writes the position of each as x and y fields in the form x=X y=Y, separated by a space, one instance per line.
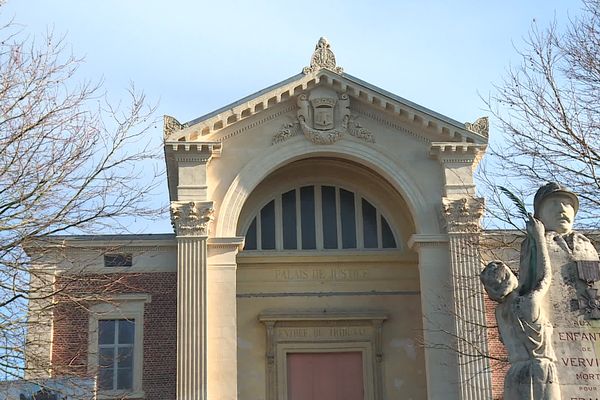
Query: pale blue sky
x=196 y=56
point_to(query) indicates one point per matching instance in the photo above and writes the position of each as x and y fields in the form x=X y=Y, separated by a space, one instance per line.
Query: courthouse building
x=322 y=229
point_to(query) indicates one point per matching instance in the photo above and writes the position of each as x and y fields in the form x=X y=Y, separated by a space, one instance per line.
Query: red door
x=325 y=376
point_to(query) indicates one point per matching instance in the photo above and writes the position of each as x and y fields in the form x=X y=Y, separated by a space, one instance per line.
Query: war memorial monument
x=549 y=317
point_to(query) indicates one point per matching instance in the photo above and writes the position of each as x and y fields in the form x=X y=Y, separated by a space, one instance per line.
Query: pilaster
x=191 y=222
x=438 y=321
x=462 y=217
x=222 y=317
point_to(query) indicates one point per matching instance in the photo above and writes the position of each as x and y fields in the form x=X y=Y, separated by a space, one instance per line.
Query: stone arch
x=264 y=164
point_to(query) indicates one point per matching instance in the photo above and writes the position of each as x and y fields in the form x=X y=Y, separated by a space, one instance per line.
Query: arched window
x=319 y=217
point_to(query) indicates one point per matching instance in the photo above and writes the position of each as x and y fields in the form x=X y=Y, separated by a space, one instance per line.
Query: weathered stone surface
x=576 y=337
x=560 y=331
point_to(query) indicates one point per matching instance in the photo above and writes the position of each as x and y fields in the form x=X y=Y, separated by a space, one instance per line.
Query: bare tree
x=70 y=162
x=548 y=109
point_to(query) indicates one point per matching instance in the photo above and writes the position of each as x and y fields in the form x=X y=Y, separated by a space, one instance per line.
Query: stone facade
x=321 y=148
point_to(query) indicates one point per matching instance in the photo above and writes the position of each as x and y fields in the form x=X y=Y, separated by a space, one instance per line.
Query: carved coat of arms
x=323 y=117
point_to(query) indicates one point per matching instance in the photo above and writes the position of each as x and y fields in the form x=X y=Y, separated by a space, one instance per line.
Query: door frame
x=323 y=332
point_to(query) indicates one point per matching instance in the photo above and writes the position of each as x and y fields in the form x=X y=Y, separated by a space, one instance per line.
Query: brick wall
x=499 y=357
x=71 y=319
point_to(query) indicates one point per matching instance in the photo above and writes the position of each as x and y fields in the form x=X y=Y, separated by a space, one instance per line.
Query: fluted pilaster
x=462 y=221
x=191 y=221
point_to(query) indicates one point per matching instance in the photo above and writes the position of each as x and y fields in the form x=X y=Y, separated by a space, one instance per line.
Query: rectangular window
x=115 y=354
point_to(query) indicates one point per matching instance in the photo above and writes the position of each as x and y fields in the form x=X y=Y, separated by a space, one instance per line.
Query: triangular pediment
x=434 y=126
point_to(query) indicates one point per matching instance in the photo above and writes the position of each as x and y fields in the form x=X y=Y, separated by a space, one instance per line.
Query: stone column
x=462 y=218
x=438 y=321
x=190 y=220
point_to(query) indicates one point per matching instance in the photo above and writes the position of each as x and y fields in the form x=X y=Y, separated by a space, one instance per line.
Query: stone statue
x=523 y=324
x=575 y=267
x=553 y=308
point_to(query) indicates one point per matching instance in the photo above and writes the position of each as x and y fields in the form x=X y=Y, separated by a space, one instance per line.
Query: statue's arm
x=536 y=231
x=530 y=303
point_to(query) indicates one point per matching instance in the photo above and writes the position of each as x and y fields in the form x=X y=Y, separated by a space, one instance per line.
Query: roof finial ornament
x=323 y=57
x=480 y=126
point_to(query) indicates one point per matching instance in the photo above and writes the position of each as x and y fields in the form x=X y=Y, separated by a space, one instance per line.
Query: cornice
x=458 y=153
x=194 y=150
x=226 y=243
x=441 y=127
x=249 y=124
x=386 y=120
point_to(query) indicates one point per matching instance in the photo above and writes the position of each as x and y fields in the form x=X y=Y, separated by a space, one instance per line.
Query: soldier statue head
x=556 y=207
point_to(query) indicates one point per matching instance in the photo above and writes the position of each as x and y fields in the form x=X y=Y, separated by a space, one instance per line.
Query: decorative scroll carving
x=191 y=218
x=171 y=125
x=480 y=126
x=463 y=215
x=322 y=57
x=323 y=117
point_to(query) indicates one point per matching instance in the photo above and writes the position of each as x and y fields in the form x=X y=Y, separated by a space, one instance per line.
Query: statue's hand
x=535 y=229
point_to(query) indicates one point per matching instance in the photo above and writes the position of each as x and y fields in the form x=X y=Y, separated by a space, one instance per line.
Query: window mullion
x=278 y=224
x=338 y=218
x=258 y=231
x=298 y=220
x=318 y=218
x=360 y=240
x=115 y=356
x=379 y=229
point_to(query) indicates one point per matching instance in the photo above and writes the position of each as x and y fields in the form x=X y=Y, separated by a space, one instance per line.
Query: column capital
x=191 y=218
x=463 y=215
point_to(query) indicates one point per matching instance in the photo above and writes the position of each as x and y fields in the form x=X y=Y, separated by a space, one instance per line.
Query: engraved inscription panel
x=320 y=274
